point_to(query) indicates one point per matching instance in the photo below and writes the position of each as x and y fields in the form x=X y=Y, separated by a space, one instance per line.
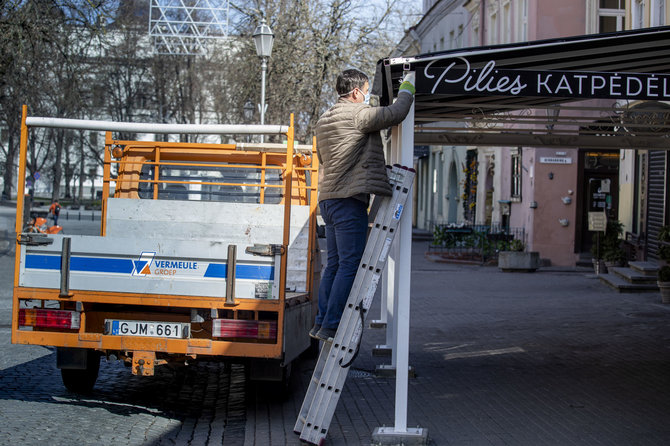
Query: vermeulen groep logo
x=142 y=266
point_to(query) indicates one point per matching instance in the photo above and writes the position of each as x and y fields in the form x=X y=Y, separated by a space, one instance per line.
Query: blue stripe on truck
x=94 y=264
x=125 y=266
x=257 y=272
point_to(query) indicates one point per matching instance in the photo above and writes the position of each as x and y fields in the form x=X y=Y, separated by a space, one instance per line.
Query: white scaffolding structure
x=186 y=27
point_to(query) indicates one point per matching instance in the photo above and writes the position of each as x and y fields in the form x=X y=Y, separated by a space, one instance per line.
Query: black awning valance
x=640 y=57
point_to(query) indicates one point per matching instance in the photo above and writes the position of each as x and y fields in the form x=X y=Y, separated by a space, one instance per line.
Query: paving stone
x=551 y=358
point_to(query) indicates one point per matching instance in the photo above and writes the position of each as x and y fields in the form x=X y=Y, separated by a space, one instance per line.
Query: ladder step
x=332 y=366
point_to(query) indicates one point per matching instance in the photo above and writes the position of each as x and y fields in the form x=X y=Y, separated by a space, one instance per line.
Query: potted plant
x=613 y=253
x=606 y=249
x=664 y=271
x=515 y=258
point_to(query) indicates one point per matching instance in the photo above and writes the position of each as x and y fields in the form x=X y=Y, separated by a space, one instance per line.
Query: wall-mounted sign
x=597 y=221
x=455 y=76
x=555 y=160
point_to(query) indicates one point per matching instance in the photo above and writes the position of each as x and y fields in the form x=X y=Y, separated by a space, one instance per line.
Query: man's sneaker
x=326 y=334
x=315 y=329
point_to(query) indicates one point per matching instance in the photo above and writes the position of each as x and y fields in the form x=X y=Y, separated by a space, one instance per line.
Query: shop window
x=515 y=191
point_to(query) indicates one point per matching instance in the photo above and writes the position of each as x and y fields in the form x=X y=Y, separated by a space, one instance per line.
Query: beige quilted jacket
x=350 y=149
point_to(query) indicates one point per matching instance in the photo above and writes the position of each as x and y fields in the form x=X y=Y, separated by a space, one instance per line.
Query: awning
x=473 y=96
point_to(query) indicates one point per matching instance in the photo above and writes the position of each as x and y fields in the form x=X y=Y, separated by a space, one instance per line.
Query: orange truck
x=206 y=251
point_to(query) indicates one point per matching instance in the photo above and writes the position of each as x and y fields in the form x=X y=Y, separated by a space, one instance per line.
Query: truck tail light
x=44 y=318
x=237 y=328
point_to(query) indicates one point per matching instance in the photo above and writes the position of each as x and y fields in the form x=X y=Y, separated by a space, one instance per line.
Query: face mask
x=366 y=99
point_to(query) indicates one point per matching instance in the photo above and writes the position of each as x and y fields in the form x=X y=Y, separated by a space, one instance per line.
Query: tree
x=93 y=59
x=40 y=60
x=314 y=41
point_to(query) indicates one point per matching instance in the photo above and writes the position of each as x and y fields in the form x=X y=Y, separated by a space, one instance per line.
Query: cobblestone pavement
x=549 y=358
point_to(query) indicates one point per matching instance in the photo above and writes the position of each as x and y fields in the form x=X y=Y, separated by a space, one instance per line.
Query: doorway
x=599 y=183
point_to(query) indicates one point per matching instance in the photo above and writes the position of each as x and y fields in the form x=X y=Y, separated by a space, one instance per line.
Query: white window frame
x=521 y=27
x=506 y=31
x=657 y=13
x=637 y=14
x=620 y=15
x=493 y=35
x=474 y=35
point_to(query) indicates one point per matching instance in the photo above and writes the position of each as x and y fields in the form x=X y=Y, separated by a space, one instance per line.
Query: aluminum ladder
x=335 y=358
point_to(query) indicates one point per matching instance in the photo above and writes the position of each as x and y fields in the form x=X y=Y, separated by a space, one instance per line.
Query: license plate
x=146 y=328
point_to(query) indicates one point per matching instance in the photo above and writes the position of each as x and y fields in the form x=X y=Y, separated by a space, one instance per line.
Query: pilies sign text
x=456 y=77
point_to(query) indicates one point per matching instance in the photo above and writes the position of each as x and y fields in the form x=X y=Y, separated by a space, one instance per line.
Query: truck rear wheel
x=82 y=380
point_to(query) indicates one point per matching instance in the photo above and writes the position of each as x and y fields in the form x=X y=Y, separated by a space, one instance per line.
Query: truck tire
x=82 y=380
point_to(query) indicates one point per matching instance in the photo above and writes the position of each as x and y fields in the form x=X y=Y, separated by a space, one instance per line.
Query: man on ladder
x=351 y=155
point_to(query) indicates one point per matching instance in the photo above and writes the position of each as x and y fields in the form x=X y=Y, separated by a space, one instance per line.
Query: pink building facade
x=547 y=192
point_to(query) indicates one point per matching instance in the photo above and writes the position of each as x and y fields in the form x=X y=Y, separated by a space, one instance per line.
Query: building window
x=494 y=27
x=474 y=37
x=638 y=14
x=506 y=22
x=515 y=192
x=521 y=25
x=459 y=37
x=611 y=16
x=657 y=12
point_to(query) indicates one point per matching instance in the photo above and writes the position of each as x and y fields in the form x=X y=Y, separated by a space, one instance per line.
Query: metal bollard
x=65 y=268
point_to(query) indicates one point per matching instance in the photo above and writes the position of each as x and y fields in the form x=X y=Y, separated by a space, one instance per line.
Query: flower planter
x=509 y=261
x=664 y=287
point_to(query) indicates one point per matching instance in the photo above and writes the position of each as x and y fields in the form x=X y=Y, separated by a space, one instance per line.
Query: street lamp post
x=263 y=38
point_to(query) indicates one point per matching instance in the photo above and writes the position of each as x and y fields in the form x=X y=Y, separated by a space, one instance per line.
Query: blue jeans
x=346 y=234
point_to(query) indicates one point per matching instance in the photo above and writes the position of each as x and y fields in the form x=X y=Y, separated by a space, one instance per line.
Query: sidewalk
x=544 y=358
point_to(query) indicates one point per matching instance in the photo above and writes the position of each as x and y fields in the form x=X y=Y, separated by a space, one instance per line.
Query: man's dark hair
x=350 y=79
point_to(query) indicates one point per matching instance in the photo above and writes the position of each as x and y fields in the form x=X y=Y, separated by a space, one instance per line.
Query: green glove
x=407 y=85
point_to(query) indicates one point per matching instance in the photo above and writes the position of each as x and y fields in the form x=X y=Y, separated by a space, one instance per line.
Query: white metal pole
x=140 y=127
x=403 y=270
x=392 y=265
x=264 y=69
x=403 y=142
